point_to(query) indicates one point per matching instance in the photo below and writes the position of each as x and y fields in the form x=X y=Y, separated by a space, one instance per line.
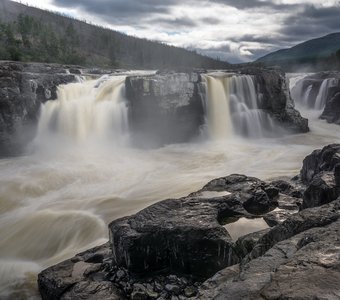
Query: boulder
x=186 y=236
x=320 y=172
x=321 y=190
x=320 y=160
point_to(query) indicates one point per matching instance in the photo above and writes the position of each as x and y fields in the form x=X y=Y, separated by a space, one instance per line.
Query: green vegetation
x=314 y=55
x=28 y=39
x=33 y=35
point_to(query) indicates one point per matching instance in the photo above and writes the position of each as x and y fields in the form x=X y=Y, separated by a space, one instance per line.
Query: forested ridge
x=314 y=55
x=31 y=34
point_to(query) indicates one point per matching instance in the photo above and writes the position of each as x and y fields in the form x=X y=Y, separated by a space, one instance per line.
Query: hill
x=32 y=34
x=316 y=54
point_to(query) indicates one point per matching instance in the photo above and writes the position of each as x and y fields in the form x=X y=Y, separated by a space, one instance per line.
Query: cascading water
x=233 y=108
x=90 y=110
x=219 y=122
x=311 y=94
x=321 y=98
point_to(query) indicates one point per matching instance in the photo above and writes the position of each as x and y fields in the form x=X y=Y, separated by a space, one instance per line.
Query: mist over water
x=80 y=172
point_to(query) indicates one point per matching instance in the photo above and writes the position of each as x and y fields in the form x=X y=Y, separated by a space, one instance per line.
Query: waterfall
x=311 y=95
x=218 y=108
x=94 y=109
x=234 y=108
x=321 y=98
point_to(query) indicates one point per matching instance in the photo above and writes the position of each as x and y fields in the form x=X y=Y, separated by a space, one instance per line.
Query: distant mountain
x=31 y=34
x=319 y=53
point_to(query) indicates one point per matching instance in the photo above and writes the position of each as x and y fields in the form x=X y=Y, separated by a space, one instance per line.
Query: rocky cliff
x=182 y=248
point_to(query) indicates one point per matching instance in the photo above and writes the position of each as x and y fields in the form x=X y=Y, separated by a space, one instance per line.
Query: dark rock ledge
x=179 y=249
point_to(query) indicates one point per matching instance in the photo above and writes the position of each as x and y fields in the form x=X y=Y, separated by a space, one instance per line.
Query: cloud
x=234 y=30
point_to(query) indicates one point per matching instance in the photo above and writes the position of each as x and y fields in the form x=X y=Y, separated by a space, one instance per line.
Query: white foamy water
x=233 y=108
x=58 y=200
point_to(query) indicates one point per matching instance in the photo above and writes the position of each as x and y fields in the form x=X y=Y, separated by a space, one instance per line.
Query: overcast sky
x=233 y=30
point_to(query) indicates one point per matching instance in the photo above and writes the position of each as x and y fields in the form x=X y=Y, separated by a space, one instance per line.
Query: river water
x=58 y=199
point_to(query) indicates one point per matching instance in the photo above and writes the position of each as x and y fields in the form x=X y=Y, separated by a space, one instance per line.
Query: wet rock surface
x=303 y=266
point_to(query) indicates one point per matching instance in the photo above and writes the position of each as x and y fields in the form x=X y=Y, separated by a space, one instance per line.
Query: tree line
x=54 y=38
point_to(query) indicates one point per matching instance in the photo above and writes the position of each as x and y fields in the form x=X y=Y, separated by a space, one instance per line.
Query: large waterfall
x=234 y=108
x=90 y=110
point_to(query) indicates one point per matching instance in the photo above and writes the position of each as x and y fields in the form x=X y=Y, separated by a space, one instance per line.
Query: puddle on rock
x=245 y=226
x=212 y=194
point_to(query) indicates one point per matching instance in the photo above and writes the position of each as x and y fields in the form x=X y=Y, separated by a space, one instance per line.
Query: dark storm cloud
x=310 y=22
x=120 y=9
x=178 y=22
x=211 y=21
x=251 y=4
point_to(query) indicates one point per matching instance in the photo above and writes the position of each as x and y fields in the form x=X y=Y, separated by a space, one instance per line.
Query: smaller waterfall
x=94 y=109
x=321 y=98
x=234 y=108
x=310 y=94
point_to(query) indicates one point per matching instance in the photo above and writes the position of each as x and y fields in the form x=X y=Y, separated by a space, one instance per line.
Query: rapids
x=58 y=199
